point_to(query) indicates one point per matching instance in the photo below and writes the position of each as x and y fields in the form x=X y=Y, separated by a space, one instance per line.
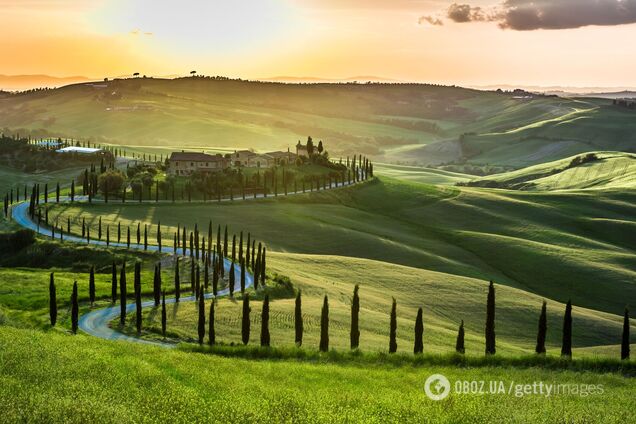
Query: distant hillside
x=591 y=170
x=26 y=82
x=411 y=123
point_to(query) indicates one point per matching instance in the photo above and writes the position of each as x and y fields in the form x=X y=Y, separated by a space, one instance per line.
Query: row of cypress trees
x=159 y=294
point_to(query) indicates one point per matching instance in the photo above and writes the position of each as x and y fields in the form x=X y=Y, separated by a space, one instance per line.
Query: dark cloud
x=430 y=20
x=527 y=15
x=462 y=13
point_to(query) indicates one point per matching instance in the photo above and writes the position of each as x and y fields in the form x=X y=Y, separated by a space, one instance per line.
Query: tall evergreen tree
x=113 y=283
x=298 y=320
x=324 y=326
x=543 y=328
x=261 y=272
x=459 y=344
x=211 y=330
x=215 y=275
x=490 y=320
x=177 y=281
x=265 y=322
x=74 y=309
x=566 y=347
x=163 y=314
x=418 y=346
x=393 y=328
x=122 y=295
x=625 y=338
x=91 y=285
x=355 y=315
x=242 y=275
x=201 y=327
x=137 y=286
x=232 y=280
x=52 y=301
x=156 y=284
x=245 y=327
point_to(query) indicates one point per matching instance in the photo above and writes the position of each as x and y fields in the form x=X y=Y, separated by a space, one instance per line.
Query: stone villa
x=185 y=163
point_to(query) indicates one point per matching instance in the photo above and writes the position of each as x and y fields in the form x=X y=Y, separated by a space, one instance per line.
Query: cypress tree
x=201 y=316
x=393 y=328
x=232 y=280
x=211 y=331
x=261 y=273
x=192 y=278
x=118 y=232
x=145 y=237
x=177 y=282
x=265 y=322
x=245 y=327
x=418 y=346
x=113 y=283
x=99 y=228
x=233 y=247
x=225 y=243
x=52 y=301
x=159 y=233
x=206 y=273
x=459 y=345
x=74 y=309
x=137 y=286
x=566 y=347
x=324 y=326
x=156 y=285
x=355 y=314
x=128 y=237
x=247 y=250
x=122 y=295
x=91 y=285
x=215 y=275
x=242 y=275
x=138 y=233
x=163 y=314
x=298 y=320
x=490 y=320
x=543 y=328
x=625 y=338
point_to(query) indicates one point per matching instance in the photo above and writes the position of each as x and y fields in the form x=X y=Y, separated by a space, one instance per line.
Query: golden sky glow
x=328 y=38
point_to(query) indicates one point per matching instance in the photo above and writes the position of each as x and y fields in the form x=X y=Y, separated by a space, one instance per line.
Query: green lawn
x=50 y=377
x=557 y=245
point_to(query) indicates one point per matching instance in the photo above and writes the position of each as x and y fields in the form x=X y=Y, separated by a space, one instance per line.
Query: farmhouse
x=185 y=163
x=250 y=159
x=301 y=150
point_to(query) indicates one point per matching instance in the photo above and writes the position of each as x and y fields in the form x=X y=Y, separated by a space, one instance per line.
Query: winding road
x=97 y=323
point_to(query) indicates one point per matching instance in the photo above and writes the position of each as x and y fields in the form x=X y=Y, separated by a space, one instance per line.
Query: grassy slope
x=14 y=179
x=613 y=170
x=570 y=245
x=378 y=120
x=439 y=294
x=421 y=174
x=80 y=379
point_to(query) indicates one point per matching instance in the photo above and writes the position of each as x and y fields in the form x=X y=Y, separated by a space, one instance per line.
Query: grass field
x=79 y=379
x=612 y=170
x=413 y=123
x=571 y=245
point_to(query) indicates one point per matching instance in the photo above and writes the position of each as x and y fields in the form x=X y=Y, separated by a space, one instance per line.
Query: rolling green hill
x=611 y=170
x=407 y=122
x=570 y=245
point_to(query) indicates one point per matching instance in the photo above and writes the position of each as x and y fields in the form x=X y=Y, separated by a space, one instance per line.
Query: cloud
x=431 y=20
x=525 y=15
x=462 y=13
x=528 y=15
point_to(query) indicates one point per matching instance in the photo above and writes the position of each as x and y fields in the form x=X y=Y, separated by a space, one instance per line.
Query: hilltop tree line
x=206 y=321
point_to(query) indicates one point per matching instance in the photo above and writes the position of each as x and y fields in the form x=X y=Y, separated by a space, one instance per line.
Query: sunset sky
x=482 y=42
